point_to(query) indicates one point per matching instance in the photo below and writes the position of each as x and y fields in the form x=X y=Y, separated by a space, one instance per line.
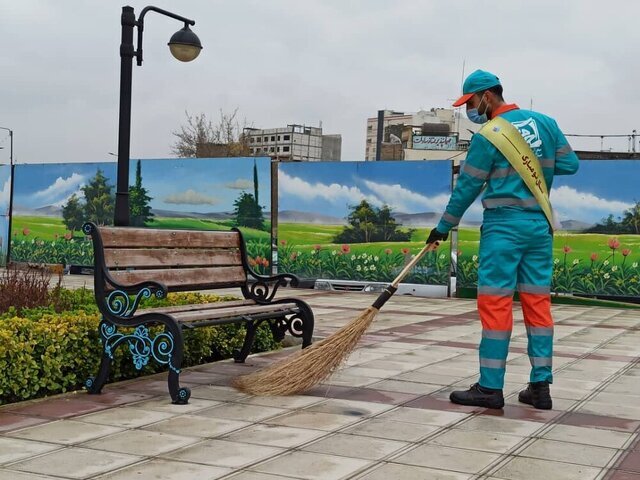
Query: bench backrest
x=180 y=259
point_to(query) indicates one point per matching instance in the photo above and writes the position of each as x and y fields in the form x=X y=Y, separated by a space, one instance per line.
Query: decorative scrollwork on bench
x=294 y=324
x=263 y=290
x=141 y=345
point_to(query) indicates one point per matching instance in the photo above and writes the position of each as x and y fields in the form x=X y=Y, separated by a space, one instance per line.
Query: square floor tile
x=569 y=453
x=275 y=436
x=66 y=432
x=392 y=430
x=221 y=453
x=588 y=436
x=247 y=475
x=405 y=387
x=219 y=394
x=197 y=426
x=313 y=420
x=167 y=470
x=141 y=442
x=290 y=402
x=477 y=440
x=423 y=416
x=489 y=423
x=356 y=446
x=446 y=458
x=76 y=463
x=312 y=466
x=394 y=471
x=125 y=417
x=165 y=405
x=352 y=408
x=14 y=449
x=14 y=475
x=241 y=411
x=521 y=468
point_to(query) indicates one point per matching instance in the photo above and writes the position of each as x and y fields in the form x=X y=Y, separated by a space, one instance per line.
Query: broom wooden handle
x=391 y=289
x=427 y=248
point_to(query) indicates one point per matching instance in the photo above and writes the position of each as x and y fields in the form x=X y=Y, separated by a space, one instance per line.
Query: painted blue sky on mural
x=600 y=188
x=180 y=185
x=330 y=188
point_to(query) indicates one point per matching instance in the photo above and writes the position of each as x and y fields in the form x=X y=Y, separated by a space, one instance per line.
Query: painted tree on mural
x=628 y=223
x=73 y=213
x=139 y=208
x=99 y=201
x=247 y=212
x=370 y=224
x=97 y=205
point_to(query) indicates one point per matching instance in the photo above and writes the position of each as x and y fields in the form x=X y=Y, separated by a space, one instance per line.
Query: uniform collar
x=504 y=108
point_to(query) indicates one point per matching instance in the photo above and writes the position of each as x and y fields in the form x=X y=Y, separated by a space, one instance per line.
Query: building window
x=266 y=139
x=369 y=127
x=258 y=139
x=278 y=137
x=271 y=149
x=368 y=140
x=287 y=137
x=252 y=140
x=273 y=138
x=285 y=149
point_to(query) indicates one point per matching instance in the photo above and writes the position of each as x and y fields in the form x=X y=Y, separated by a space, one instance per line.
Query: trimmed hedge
x=43 y=352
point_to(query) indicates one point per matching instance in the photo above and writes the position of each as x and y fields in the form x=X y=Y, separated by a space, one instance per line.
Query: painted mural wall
x=597 y=251
x=361 y=220
x=53 y=200
x=5 y=190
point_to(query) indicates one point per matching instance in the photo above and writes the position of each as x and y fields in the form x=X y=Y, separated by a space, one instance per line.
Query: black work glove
x=436 y=236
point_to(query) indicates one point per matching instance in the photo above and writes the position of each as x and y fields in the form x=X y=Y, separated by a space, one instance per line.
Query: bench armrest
x=118 y=302
x=264 y=288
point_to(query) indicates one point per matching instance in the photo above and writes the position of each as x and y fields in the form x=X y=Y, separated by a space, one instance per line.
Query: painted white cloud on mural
x=191 y=197
x=402 y=199
x=61 y=203
x=240 y=184
x=573 y=204
x=61 y=187
x=334 y=193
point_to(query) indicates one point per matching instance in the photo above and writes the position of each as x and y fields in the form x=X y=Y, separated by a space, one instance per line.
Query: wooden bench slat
x=184 y=277
x=126 y=237
x=195 y=307
x=218 y=313
x=161 y=257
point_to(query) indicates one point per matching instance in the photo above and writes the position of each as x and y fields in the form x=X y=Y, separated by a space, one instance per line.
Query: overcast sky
x=291 y=61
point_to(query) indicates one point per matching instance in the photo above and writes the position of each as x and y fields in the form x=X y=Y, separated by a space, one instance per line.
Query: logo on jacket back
x=529 y=131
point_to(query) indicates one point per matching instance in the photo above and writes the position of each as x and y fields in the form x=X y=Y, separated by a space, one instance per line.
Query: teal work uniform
x=515 y=244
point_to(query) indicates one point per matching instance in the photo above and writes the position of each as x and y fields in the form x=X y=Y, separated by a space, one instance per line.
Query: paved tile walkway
x=384 y=416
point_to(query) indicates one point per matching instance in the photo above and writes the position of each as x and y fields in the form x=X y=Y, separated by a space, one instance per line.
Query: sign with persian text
x=434 y=142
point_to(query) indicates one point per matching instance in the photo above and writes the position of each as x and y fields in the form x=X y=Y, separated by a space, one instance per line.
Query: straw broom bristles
x=307 y=367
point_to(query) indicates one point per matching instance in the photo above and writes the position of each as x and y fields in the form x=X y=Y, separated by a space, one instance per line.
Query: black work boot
x=478 y=396
x=537 y=394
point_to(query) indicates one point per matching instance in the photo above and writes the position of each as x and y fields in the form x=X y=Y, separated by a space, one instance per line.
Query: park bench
x=131 y=264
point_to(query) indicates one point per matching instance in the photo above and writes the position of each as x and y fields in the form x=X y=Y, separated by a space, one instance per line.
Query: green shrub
x=43 y=352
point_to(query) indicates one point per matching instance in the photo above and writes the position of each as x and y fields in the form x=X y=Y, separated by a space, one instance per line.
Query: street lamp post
x=184 y=46
x=12 y=168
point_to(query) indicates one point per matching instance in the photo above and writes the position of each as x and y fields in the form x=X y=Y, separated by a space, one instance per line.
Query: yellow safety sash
x=510 y=143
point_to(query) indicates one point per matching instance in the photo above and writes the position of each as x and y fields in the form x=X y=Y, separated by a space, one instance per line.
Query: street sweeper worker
x=516 y=167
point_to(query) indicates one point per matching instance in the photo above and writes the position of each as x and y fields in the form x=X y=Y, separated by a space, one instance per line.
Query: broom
x=305 y=368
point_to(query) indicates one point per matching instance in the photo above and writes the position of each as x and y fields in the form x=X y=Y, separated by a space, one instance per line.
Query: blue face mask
x=475 y=116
